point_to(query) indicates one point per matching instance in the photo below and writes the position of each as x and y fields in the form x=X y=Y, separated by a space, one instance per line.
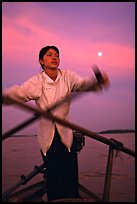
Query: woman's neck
x=52 y=73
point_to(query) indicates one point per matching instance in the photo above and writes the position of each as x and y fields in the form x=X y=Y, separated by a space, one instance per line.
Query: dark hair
x=45 y=49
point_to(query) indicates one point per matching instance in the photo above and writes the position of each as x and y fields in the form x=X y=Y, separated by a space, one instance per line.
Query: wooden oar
x=68 y=124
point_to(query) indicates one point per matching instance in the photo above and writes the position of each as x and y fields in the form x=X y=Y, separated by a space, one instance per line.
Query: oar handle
x=98 y=74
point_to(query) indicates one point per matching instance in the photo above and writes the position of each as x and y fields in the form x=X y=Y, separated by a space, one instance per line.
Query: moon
x=99 y=53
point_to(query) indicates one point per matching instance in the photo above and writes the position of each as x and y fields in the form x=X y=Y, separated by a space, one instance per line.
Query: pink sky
x=80 y=31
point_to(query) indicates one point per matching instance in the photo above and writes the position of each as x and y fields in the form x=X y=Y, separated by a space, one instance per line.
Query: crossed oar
x=37 y=113
x=47 y=114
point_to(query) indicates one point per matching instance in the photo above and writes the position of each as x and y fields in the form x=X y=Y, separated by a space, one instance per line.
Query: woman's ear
x=41 y=61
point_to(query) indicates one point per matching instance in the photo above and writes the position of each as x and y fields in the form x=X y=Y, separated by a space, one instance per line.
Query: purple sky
x=80 y=30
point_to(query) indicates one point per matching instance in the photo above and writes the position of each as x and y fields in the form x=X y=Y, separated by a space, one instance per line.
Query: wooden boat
x=37 y=193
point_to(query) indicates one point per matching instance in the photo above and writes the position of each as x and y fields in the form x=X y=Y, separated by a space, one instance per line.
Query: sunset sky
x=80 y=30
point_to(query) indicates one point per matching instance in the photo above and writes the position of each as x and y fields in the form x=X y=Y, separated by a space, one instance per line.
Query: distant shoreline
x=100 y=132
x=116 y=131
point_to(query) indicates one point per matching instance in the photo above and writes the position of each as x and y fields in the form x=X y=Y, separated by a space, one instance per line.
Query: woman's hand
x=102 y=77
x=106 y=82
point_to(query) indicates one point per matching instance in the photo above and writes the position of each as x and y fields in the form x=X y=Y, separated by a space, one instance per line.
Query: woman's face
x=50 y=60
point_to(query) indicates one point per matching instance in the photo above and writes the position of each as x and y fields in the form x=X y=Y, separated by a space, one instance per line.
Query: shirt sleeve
x=29 y=90
x=78 y=83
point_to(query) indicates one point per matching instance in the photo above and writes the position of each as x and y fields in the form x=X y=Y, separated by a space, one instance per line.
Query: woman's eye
x=50 y=55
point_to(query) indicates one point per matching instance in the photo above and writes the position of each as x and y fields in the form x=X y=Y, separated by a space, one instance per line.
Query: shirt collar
x=48 y=80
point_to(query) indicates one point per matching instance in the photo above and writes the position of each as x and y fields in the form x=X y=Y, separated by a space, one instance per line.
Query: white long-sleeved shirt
x=47 y=92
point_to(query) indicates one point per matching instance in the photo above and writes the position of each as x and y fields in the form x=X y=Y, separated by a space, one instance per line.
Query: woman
x=55 y=140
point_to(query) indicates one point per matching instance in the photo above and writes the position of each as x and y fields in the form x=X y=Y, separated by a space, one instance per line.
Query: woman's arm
x=29 y=90
x=79 y=83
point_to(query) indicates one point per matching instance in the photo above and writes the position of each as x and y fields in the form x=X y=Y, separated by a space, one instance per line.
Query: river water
x=21 y=154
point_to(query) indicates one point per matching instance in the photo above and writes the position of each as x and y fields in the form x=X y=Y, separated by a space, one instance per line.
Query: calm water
x=20 y=155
